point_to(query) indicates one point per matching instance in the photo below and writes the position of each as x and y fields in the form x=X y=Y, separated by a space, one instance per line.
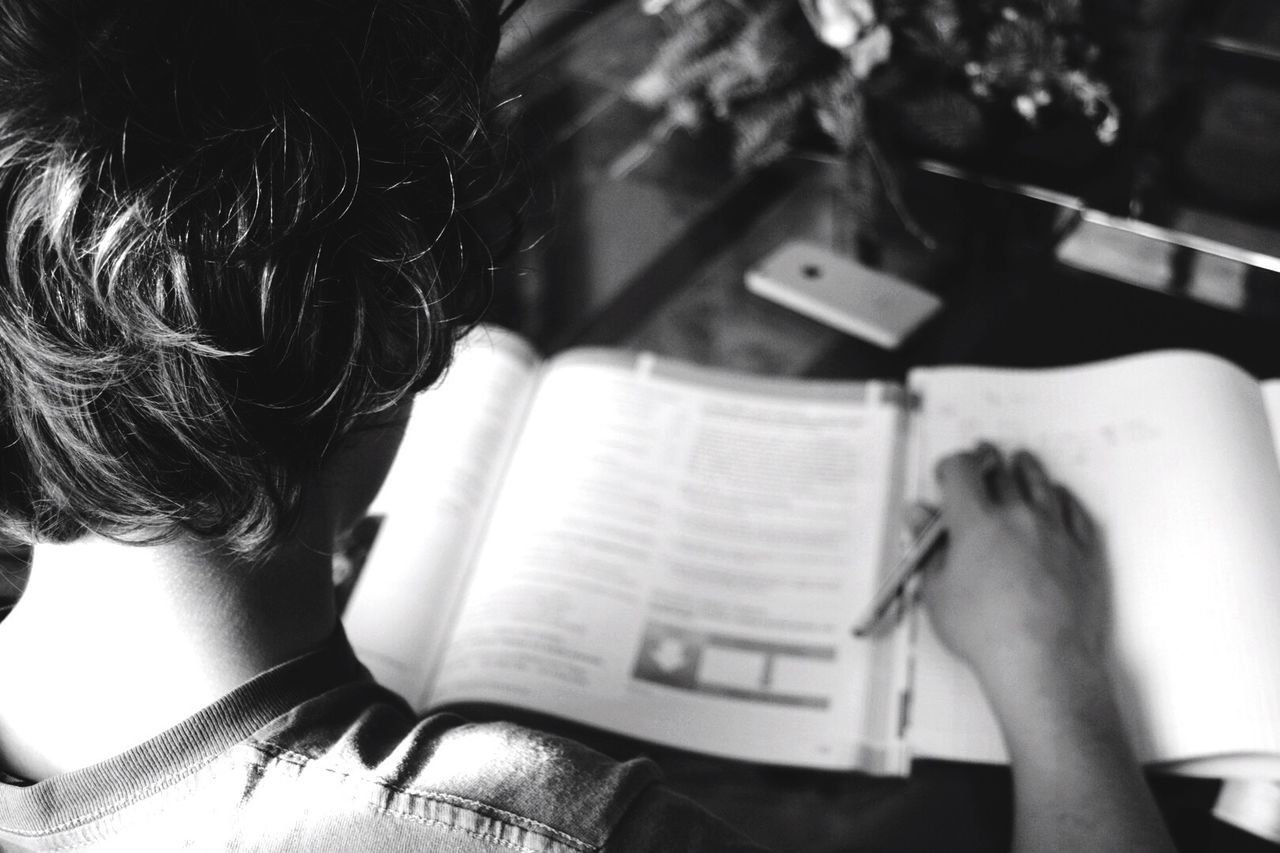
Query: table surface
x=644 y=245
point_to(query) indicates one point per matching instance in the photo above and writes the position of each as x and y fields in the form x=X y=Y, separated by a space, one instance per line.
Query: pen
x=924 y=546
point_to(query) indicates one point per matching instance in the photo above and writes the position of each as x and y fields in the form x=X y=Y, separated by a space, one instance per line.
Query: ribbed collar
x=77 y=797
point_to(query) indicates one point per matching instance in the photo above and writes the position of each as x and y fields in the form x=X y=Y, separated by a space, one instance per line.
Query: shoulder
x=489 y=786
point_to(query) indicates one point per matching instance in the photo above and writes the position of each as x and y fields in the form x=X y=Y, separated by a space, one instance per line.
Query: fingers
x=977 y=480
x=1000 y=480
x=1033 y=482
x=983 y=472
x=1076 y=518
x=962 y=479
x=980 y=473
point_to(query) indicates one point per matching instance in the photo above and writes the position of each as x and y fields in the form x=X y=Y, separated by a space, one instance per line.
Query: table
x=649 y=251
x=644 y=245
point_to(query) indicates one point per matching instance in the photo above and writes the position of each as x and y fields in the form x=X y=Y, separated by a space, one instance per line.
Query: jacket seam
x=278 y=752
x=453 y=827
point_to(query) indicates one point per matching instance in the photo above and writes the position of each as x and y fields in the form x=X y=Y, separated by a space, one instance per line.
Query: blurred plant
x=949 y=76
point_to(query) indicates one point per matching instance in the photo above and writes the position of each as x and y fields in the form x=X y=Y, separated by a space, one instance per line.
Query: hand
x=1019 y=591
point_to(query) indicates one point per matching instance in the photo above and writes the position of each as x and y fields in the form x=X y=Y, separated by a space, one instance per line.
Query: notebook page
x=679 y=554
x=433 y=502
x=1271 y=398
x=1172 y=453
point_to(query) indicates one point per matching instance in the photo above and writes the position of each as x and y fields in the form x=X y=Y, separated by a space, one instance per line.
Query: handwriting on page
x=1171 y=454
x=1075 y=446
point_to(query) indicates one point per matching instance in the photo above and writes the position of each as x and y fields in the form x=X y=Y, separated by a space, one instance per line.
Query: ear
x=352 y=473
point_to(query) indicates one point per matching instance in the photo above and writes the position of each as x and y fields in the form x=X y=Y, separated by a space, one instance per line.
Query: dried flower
x=839 y=23
x=771 y=69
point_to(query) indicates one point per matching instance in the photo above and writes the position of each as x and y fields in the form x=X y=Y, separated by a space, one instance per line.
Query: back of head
x=231 y=229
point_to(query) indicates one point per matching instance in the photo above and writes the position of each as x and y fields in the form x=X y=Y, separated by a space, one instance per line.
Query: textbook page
x=678 y=554
x=434 y=502
x=1172 y=454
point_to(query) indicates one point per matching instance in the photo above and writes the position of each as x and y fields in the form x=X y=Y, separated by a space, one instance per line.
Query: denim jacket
x=314 y=756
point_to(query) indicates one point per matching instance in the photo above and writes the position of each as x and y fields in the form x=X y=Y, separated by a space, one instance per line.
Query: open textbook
x=678 y=553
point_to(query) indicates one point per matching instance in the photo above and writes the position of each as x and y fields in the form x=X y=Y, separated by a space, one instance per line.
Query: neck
x=144 y=636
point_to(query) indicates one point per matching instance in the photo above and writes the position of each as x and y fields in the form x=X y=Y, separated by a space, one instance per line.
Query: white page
x=1251 y=765
x=683 y=561
x=1172 y=453
x=434 y=501
x=1271 y=399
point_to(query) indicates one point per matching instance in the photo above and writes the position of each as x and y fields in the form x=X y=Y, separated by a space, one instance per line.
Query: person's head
x=232 y=229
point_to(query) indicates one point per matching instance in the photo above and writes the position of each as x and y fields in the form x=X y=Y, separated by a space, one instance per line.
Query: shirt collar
x=73 y=798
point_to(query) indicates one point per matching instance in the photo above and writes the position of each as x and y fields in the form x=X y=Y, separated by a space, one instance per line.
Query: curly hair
x=231 y=229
